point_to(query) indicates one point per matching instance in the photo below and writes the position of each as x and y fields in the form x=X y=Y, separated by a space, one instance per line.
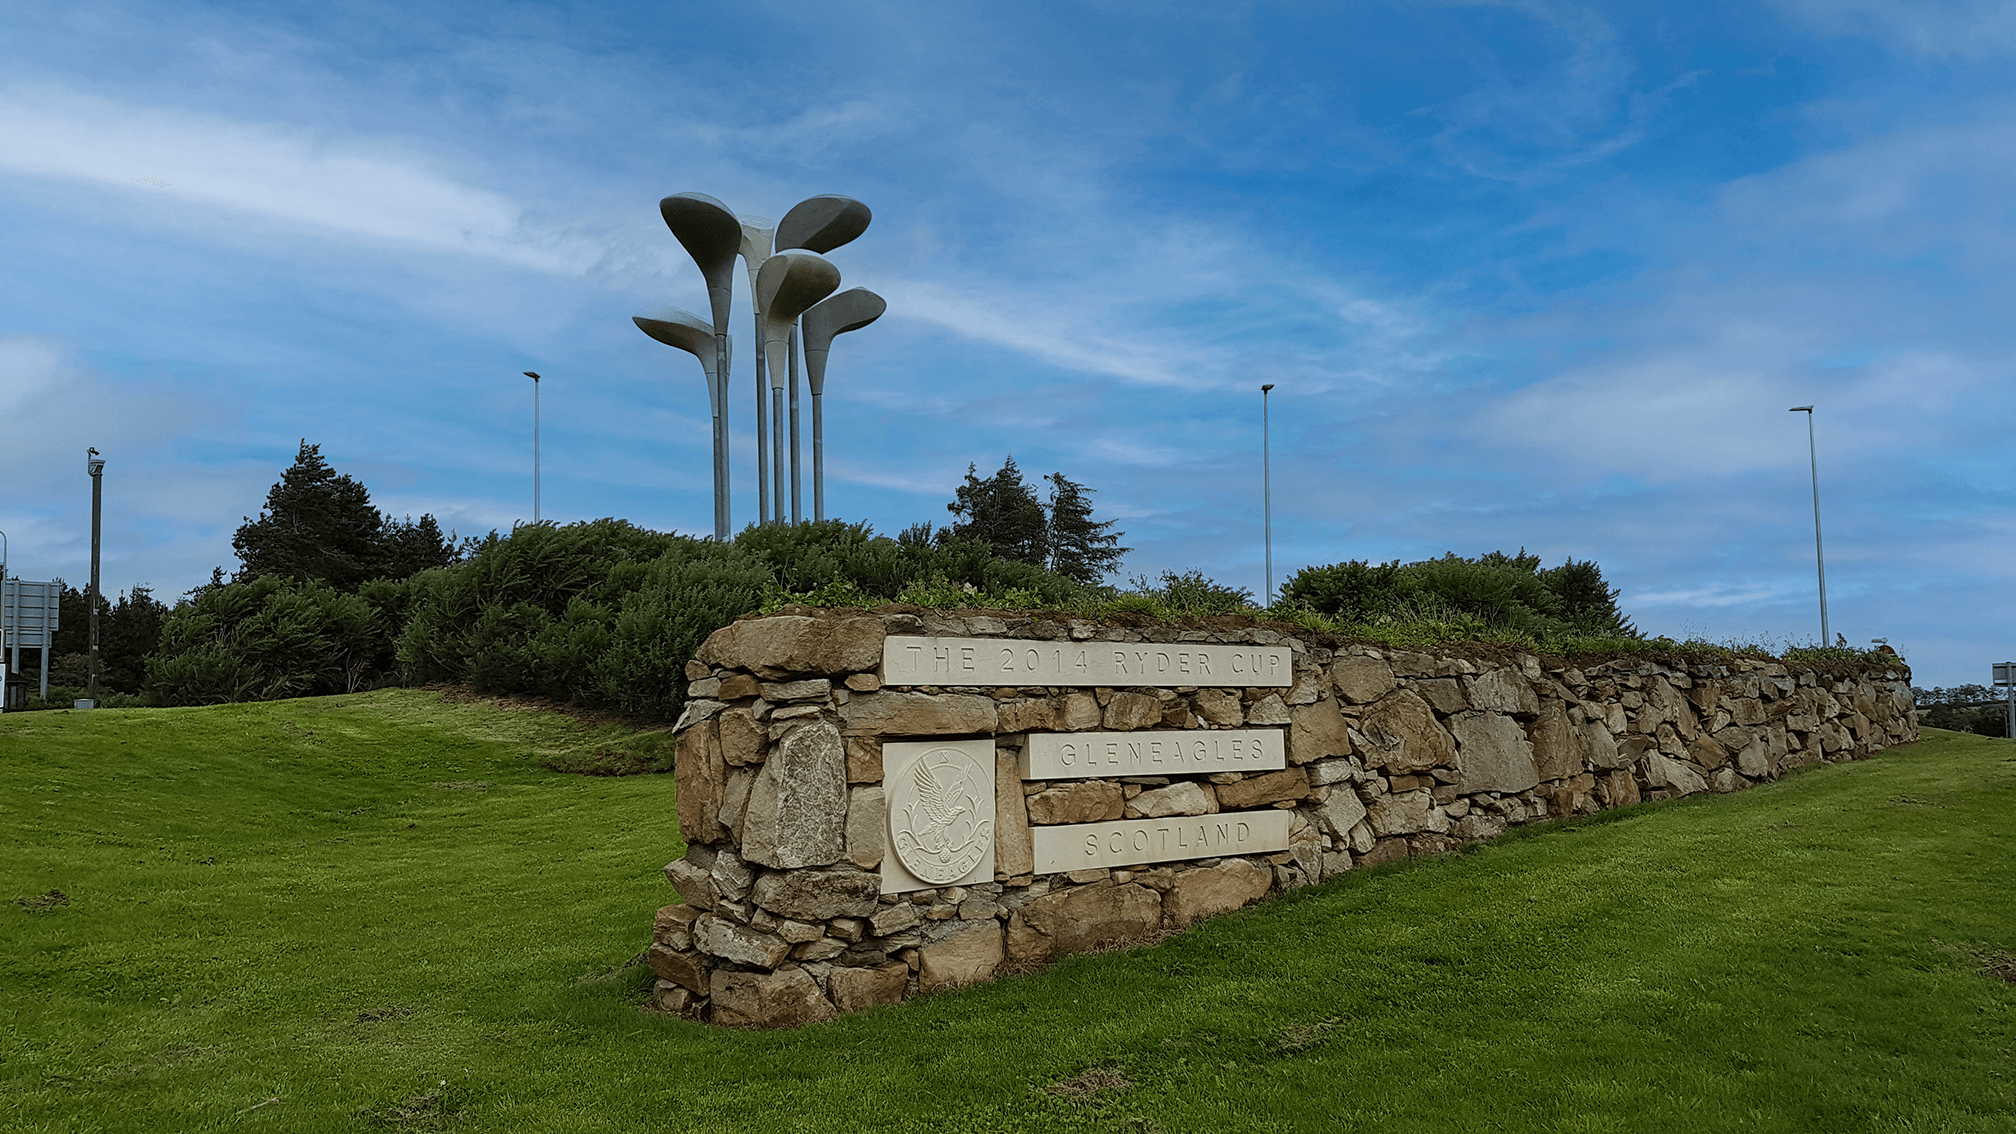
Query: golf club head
x=682 y=329
x=756 y=244
x=713 y=237
x=823 y=223
x=849 y=310
x=789 y=283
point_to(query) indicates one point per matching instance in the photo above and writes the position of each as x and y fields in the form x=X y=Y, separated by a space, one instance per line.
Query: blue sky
x=1537 y=275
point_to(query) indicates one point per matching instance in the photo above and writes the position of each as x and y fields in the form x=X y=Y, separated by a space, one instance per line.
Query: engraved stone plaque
x=1070 y=755
x=1130 y=842
x=940 y=813
x=1015 y=661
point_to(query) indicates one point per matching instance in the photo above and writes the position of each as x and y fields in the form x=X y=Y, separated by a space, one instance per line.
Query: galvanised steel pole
x=1819 y=553
x=1267 y=492
x=97 y=466
x=535 y=443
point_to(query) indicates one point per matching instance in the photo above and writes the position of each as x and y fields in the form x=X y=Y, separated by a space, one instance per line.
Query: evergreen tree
x=1080 y=548
x=1003 y=512
x=320 y=525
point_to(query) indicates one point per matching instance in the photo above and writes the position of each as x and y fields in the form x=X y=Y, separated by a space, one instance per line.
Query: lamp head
x=532 y=374
x=823 y=223
x=1266 y=387
x=1800 y=409
x=850 y=310
x=713 y=237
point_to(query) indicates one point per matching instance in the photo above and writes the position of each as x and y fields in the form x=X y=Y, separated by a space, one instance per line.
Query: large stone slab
x=856 y=988
x=1129 y=842
x=816 y=895
x=1081 y=919
x=941 y=813
x=769 y=1000
x=1492 y=753
x=1013 y=661
x=961 y=959
x=1068 y=755
x=1215 y=890
x=1286 y=785
x=1075 y=803
x=1012 y=853
x=919 y=714
x=797 y=811
x=1316 y=731
x=781 y=645
x=699 y=774
x=1403 y=736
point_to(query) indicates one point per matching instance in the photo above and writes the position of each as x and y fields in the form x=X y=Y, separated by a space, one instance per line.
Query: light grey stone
x=1187 y=798
x=797 y=809
x=867 y=819
x=1492 y=753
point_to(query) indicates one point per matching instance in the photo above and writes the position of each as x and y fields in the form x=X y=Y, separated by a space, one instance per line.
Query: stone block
x=1081 y=712
x=681 y=968
x=964 y=958
x=1082 y=919
x=815 y=895
x=1407 y=813
x=1206 y=891
x=1502 y=691
x=1186 y=798
x=1258 y=791
x=1403 y=736
x=1443 y=694
x=1024 y=715
x=1662 y=771
x=694 y=882
x=854 y=989
x=1089 y=801
x=1130 y=711
x=1557 y=750
x=1598 y=747
x=867 y=819
x=1219 y=707
x=769 y=1000
x=739 y=943
x=864 y=760
x=1361 y=680
x=1492 y=753
x=1316 y=731
x=673 y=927
x=1268 y=710
x=798 y=805
x=699 y=774
x=892 y=713
x=1012 y=852
x=894 y=919
x=735 y=800
x=783 y=645
x=1339 y=813
x=737 y=687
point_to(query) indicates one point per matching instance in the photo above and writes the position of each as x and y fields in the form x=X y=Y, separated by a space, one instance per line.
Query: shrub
x=264 y=639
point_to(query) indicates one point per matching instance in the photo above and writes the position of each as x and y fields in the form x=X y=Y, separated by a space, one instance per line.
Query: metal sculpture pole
x=850 y=310
x=1819 y=554
x=695 y=336
x=96 y=465
x=535 y=443
x=713 y=237
x=755 y=248
x=817 y=224
x=1267 y=492
x=789 y=283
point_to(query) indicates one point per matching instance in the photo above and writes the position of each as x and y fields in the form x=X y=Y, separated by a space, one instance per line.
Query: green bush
x=267 y=638
x=1493 y=592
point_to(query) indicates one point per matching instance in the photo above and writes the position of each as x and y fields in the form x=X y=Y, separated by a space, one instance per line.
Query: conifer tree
x=1003 y=511
x=1080 y=547
x=319 y=524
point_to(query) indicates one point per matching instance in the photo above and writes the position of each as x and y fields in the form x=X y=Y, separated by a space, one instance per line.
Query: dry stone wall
x=878 y=805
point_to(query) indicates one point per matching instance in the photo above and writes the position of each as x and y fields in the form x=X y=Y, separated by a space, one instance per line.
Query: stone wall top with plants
x=798 y=901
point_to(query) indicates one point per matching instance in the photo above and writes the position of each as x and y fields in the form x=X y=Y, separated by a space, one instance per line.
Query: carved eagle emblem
x=940 y=802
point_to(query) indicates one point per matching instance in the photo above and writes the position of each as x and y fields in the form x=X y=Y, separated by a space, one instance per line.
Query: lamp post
x=535 y=443
x=4 y=621
x=96 y=465
x=1819 y=555
x=1267 y=492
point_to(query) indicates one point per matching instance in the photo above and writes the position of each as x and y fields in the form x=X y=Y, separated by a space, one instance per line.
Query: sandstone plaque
x=1129 y=842
x=1068 y=755
x=1014 y=661
x=940 y=814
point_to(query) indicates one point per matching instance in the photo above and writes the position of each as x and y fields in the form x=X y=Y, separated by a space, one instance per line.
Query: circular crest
x=939 y=820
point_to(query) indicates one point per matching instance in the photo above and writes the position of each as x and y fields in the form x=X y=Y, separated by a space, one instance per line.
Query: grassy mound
x=381 y=912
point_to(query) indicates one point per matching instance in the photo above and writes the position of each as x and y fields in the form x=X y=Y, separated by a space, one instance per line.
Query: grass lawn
x=380 y=913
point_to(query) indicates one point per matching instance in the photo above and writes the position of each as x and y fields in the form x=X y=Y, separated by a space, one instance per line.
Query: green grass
x=383 y=913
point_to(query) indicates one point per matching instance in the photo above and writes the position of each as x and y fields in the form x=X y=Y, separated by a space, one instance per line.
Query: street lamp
x=695 y=336
x=535 y=442
x=1819 y=555
x=849 y=310
x=96 y=465
x=1267 y=492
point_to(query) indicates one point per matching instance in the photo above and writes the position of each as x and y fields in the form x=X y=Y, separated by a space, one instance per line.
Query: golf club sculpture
x=788 y=277
x=850 y=310
x=695 y=336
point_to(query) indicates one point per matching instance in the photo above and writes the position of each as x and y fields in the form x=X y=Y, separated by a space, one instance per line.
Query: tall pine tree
x=1003 y=511
x=1080 y=547
x=319 y=524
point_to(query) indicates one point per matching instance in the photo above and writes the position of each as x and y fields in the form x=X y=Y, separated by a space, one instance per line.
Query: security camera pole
x=1819 y=555
x=97 y=466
